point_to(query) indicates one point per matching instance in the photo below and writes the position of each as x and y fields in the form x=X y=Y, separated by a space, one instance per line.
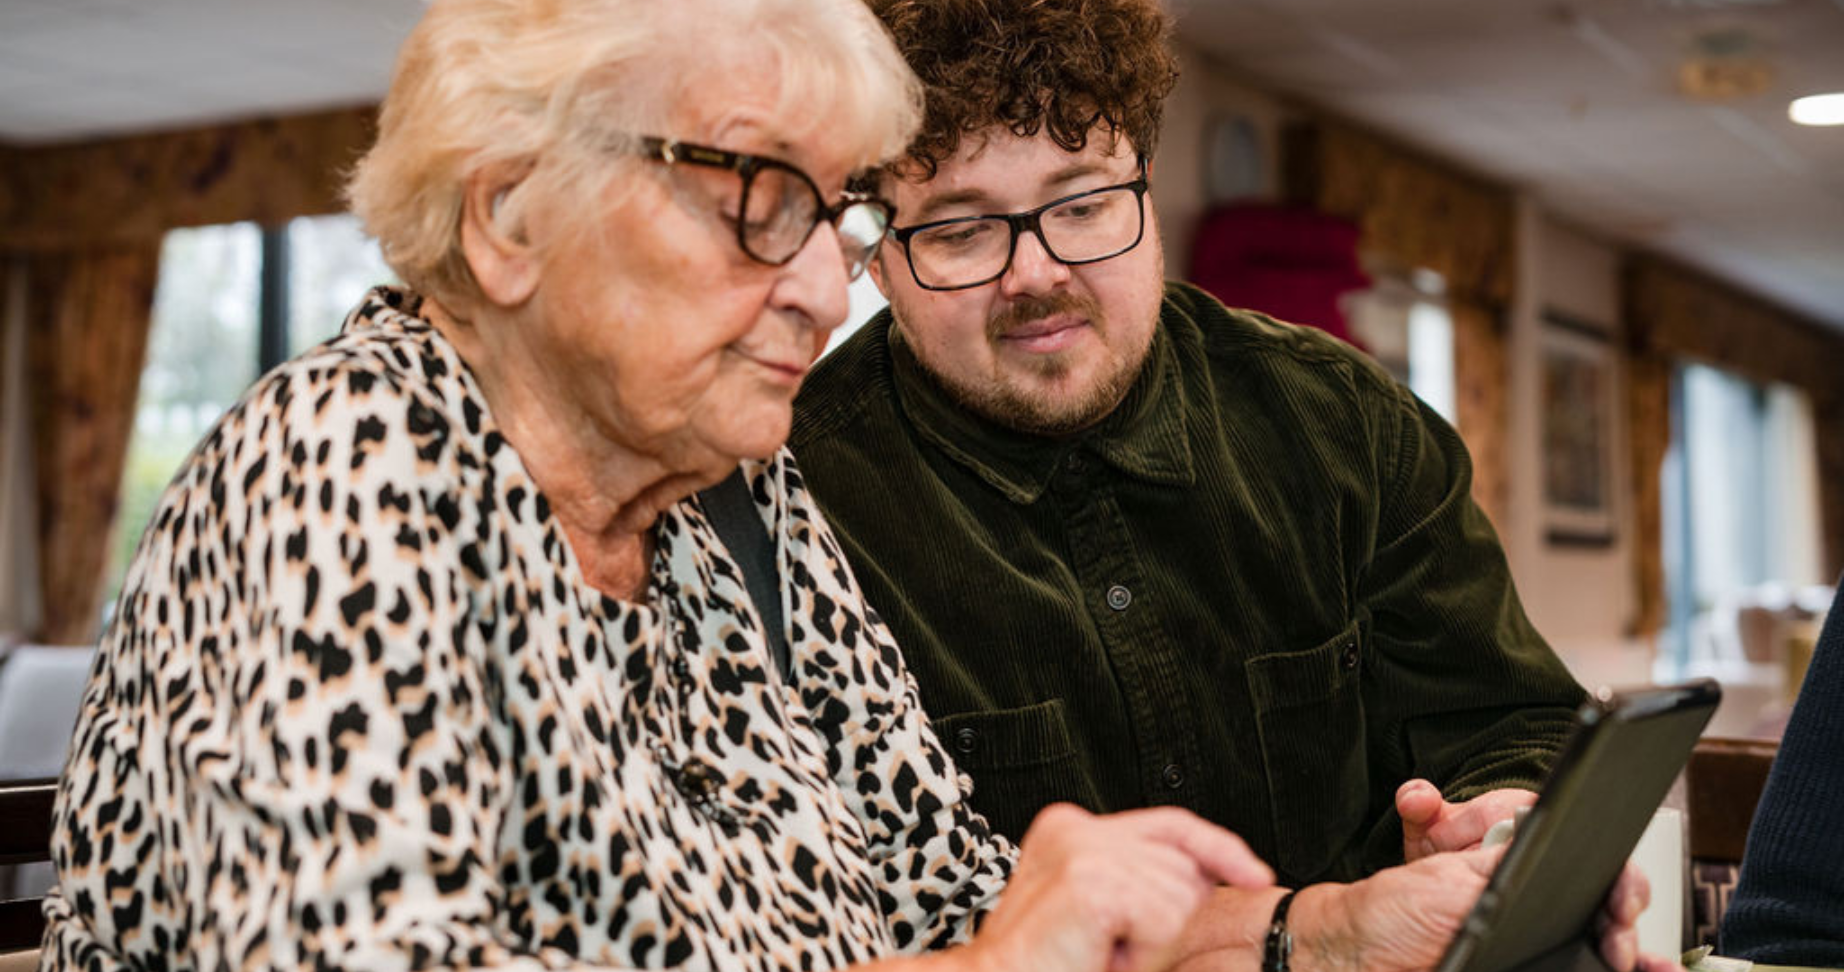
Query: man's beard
x=1022 y=408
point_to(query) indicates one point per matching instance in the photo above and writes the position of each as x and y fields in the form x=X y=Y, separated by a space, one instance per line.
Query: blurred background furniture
x=40 y=689
x=25 y=838
x=1723 y=783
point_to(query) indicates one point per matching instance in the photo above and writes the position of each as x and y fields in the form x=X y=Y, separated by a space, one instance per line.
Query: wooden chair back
x=25 y=837
x=1722 y=784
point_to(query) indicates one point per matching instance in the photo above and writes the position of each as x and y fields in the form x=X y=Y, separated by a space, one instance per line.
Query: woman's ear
x=494 y=236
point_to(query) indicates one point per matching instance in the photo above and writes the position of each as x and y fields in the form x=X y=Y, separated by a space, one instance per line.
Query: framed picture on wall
x=1578 y=415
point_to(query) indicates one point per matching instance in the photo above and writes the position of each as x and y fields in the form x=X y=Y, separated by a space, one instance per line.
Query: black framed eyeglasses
x=780 y=206
x=968 y=251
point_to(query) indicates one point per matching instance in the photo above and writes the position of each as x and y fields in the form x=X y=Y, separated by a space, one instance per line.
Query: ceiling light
x=1818 y=109
x=1725 y=64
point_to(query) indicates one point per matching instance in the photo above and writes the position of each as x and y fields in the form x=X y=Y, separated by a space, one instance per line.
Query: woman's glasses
x=780 y=206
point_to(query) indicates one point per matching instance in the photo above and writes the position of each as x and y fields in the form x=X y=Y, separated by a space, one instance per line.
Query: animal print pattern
x=359 y=709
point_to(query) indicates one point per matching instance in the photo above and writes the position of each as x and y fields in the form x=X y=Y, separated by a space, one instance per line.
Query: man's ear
x=494 y=235
x=876 y=269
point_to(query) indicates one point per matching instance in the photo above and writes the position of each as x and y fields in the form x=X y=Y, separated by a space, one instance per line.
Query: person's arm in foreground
x=1788 y=907
x=1475 y=698
x=1400 y=919
x=1450 y=623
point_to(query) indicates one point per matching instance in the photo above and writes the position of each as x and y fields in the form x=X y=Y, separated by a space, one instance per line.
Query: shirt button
x=1173 y=776
x=1119 y=597
x=698 y=781
x=681 y=668
x=1348 y=658
x=1074 y=464
x=966 y=740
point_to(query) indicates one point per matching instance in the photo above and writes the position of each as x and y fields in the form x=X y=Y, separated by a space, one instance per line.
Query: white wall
x=1581 y=598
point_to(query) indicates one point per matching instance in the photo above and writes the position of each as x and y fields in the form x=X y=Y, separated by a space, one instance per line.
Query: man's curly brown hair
x=1058 y=66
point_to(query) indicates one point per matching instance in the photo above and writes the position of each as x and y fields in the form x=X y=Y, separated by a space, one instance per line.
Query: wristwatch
x=1279 y=946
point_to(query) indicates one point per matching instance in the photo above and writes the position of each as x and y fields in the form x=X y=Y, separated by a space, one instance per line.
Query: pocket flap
x=1006 y=738
x=1287 y=679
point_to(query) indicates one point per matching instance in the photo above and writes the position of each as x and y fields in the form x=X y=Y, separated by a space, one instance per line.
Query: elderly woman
x=432 y=657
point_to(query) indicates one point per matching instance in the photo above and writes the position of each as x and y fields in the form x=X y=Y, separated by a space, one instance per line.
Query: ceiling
x=1576 y=102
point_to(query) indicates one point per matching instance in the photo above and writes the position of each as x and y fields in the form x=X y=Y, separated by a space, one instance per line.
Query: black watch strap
x=1279 y=947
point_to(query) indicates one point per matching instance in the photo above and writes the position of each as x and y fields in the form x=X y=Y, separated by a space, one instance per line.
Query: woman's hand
x=1108 y=892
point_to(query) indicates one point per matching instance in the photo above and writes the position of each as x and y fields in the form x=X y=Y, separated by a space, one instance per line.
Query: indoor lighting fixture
x=1818 y=109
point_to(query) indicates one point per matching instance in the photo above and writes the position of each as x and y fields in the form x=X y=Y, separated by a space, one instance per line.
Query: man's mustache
x=1034 y=307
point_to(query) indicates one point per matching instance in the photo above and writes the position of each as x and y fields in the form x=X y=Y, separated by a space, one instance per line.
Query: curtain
x=1677 y=313
x=270 y=170
x=1419 y=214
x=89 y=312
x=1828 y=419
x=19 y=590
x=1416 y=212
x=1648 y=434
x=1481 y=379
x=88 y=219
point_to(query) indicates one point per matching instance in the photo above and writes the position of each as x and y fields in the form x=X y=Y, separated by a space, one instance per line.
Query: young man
x=1137 y=548
x=1140 y=549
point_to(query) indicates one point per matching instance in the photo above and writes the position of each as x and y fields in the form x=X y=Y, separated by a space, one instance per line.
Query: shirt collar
x=1144 y=437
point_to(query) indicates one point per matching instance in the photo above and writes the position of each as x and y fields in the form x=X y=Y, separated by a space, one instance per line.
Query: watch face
x=1233 y=163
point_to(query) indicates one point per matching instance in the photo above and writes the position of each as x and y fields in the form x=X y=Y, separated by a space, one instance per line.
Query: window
x=232 y=302
x=1405 y=325
x=331 y=263
x=866 y=302
x=1740 y=504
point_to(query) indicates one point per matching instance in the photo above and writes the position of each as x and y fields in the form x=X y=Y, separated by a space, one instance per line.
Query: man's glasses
x=1088 y=227
x=780 y=207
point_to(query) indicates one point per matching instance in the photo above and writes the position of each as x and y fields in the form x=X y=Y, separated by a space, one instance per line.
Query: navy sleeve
x=1788 y=908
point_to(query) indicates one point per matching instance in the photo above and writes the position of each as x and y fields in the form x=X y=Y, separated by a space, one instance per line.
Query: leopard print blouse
x=359 y=709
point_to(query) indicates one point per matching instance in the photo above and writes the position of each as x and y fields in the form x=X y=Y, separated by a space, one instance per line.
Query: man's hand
x=1402 y=919
x=1617 y=925
x=1431 y=825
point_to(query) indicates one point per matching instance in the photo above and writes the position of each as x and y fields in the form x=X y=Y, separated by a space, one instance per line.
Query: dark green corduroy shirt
x=1259 y=589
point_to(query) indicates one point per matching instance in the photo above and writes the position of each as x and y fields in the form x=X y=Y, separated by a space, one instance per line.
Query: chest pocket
x=1310 y=715
x=1021 y=760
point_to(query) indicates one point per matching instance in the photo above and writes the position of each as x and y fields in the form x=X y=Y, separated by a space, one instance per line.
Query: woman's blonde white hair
x=557 y=86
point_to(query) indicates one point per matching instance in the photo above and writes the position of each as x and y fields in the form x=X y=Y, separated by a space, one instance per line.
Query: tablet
x=1537 y=910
